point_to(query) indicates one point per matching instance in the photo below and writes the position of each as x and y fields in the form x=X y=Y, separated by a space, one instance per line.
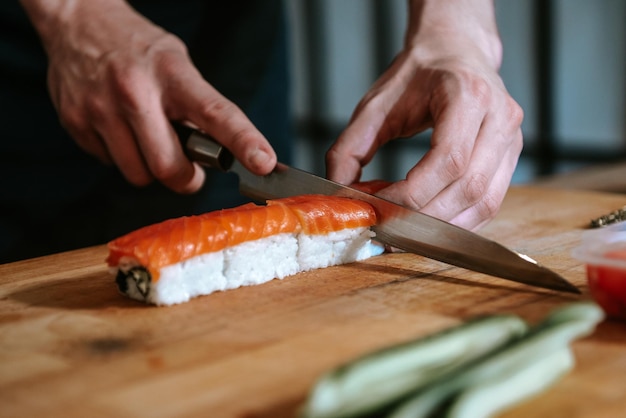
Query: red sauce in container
x=607 y=285
x=604 y=253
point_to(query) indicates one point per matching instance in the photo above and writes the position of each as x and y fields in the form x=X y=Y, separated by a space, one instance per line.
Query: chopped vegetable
x=552 y=336
x=377 y=379
x=472 y=370
x=490 y=397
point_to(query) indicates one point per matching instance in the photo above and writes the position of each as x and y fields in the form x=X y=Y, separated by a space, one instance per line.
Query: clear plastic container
x=604 y=253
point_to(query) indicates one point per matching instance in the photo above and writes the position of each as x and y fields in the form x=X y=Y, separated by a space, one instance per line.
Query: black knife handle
x=203 y=149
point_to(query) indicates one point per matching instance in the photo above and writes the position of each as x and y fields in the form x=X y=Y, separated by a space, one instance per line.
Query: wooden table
x=71 y=346
x=603 y=177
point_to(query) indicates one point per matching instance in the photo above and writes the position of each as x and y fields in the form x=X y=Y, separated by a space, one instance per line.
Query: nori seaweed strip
x=139 y=276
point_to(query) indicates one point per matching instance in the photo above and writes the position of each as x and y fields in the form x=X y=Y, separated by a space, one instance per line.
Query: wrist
x=51 y=17
x=453 y=29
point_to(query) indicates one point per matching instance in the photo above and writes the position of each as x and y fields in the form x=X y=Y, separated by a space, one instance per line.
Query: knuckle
x=515 y=112
x=413 y=201
x=332 y=155
x=243 y=138
x=95 y=107
x=169 y=70
x=488 y=207
x=475 y=189
x=71 y=119
x=468 y=86
x=456 y=164
x=138 y=178
x=172 y=43
x=480 y=91
x=413 y=195
x=126 y=85
x=163 y=169
x=215 y=109
x=168 y=64
x=168 y=171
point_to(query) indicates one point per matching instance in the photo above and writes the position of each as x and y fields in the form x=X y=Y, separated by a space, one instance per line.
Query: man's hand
x=117 y=81
x=445 y=78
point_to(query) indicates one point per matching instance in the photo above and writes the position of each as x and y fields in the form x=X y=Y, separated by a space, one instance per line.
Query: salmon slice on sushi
x=179 y=259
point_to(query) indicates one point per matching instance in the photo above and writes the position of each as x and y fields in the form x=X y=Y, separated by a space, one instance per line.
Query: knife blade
x=397 y=225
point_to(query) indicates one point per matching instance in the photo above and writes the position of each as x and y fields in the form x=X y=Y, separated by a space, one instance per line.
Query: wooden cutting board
x=71 y=346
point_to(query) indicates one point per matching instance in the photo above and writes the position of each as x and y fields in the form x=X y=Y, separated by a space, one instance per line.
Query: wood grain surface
x=72 y=346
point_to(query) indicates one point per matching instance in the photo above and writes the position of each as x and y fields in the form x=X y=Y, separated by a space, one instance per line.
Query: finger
x=162 y=151
x=90 y=142
x=487 y=207
x=355 y=147
x=452 y=144
x=496 y=141
x=476 y=197
x=122 y=146
x=199 y=103
x=145 y=146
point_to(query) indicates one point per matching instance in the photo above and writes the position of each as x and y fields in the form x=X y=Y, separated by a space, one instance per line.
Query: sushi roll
x=178 y=259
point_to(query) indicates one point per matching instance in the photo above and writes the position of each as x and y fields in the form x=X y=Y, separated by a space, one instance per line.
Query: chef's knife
x=396 y=226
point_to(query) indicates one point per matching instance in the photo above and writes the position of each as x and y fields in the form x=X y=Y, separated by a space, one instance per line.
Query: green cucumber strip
x=493 y=396
x=552 y=335
x=379 y=378
x=585 y=312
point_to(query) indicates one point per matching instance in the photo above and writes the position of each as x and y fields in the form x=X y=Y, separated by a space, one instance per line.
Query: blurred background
x=564 y=63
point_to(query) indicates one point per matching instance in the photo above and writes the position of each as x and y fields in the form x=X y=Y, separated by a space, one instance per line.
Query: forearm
x=439 y=27
x=47 y=15
x=54 y=18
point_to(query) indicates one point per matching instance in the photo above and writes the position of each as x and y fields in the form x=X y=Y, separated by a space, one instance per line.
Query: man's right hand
x=117 y=80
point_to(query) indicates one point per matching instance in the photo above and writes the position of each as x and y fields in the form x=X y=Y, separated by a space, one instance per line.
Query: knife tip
x=561 y=284
x=570 y=288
